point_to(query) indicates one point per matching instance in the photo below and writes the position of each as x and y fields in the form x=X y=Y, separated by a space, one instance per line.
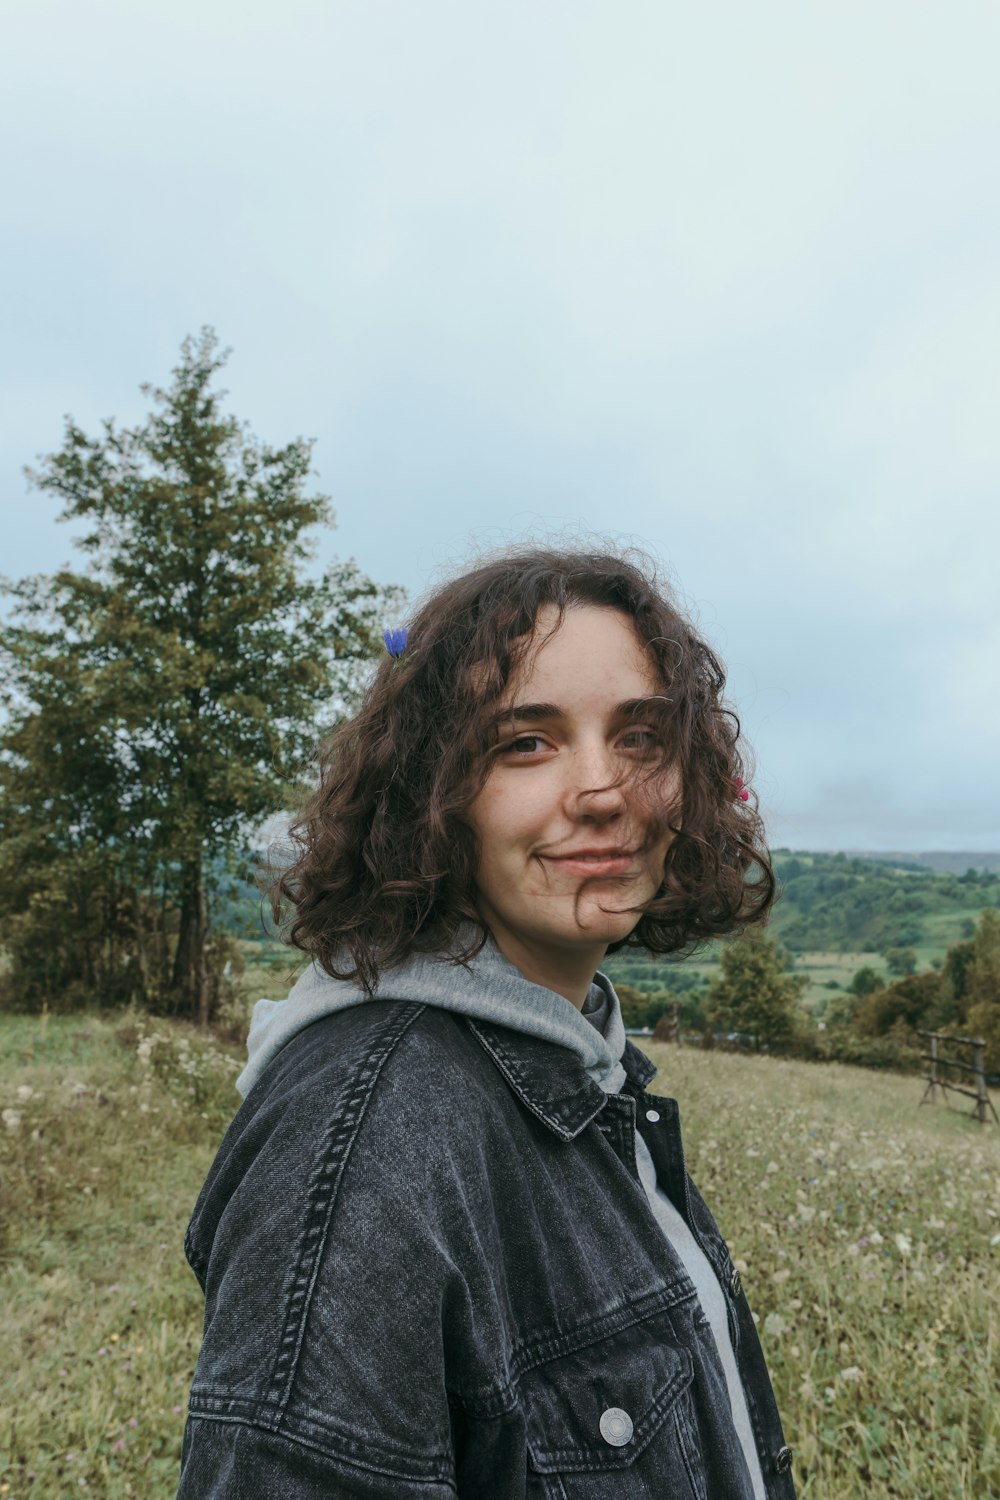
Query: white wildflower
x=775 y=1325
x=903 y=1244
x=852 y=1372
x=24 y=1092
x=11 y=1119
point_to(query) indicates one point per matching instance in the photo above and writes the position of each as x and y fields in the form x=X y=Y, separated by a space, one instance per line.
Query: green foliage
x=911 y=1000
x=982 y=988
x=865 y=981
x=841 y=904
x=755 y=994
x=901 y=960
x=955 y=975
x=644 y=1008
x=895 y=1052
x=163 y=703
x=963 y=996
x=634 y=1005
x=841 y=1010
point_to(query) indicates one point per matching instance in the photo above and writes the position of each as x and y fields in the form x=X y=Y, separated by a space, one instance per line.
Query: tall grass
x=866 y=1229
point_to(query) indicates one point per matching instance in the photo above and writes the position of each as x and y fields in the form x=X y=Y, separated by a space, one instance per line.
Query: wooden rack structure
x=982 y=1098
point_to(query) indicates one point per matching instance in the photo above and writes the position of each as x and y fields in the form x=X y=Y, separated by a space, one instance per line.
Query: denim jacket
x=430 y=1269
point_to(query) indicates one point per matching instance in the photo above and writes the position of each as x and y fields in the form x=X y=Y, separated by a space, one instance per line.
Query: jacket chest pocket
x=614 y=1420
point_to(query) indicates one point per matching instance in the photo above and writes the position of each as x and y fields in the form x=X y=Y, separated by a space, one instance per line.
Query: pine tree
x=756 y=995
x=175 y=698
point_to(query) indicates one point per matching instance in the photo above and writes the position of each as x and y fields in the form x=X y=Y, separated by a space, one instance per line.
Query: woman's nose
x=594 y=781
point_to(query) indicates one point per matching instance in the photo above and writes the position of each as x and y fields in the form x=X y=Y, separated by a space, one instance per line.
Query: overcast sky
x=721 y=280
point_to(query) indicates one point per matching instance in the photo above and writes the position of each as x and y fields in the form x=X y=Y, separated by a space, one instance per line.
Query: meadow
x=866 y=1229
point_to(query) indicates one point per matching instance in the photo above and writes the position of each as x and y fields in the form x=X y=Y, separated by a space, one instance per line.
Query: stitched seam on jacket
x=331 y=1160
x=540 y=1351
x=431 y=1471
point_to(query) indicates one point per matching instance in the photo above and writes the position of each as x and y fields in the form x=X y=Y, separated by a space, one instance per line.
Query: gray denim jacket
x=430 y=1269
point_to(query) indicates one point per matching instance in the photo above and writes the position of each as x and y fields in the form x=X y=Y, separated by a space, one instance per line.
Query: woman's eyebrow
x=532 y=713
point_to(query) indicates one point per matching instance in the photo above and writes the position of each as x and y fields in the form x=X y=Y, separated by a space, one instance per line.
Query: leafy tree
x=634 y=1005
x=173 y=698
x=841 y=1010
x=866 y=981
x=955 y=977
x=755 y=995
x=983 y=987
x=914 y=1000
x=901 y=960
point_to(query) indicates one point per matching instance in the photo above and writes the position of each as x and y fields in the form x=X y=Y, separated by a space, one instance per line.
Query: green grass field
x=867 y=1230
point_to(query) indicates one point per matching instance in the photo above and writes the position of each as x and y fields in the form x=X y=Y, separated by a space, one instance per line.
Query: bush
x=860 y=1052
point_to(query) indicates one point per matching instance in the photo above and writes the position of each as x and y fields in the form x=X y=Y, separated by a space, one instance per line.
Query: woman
x=449 y=1245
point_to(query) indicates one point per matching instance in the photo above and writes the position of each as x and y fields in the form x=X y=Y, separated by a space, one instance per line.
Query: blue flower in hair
x=395 y=640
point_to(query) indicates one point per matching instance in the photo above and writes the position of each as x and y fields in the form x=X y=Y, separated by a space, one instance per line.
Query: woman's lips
x=592 y=864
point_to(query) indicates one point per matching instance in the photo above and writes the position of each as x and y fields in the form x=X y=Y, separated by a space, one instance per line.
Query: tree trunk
x=138 y=937
x=190 y=976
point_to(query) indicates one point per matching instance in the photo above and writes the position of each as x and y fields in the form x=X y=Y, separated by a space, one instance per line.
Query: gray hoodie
x=493 y=989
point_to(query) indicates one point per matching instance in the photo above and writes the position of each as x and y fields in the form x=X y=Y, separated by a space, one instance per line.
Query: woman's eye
x=641 y=739
x=522 y=740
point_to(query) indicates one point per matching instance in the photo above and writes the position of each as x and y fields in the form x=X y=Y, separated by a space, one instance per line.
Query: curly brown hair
x=385 y=862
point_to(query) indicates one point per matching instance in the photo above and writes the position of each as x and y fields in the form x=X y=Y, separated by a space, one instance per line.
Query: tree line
x=877 y=1021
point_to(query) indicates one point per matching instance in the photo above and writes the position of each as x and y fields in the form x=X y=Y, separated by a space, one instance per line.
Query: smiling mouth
x=595 y=864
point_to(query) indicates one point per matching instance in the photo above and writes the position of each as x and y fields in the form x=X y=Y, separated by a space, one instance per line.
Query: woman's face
x=563 y=852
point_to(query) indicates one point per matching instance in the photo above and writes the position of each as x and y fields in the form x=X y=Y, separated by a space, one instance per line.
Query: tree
x=755 y=994
x=866 y=981
x=982 y=987
x=633 y=1003
x=176 y=697
x=901 y=960
x=915 y=999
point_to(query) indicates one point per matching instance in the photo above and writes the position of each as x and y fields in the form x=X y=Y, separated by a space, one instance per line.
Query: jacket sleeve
x=237 y=1461
x=328 y=1241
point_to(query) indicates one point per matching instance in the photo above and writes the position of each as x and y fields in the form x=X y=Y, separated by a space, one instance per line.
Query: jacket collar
x=551 y=1079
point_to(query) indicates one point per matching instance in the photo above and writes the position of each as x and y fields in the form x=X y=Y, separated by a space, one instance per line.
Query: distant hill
x=948 y=861
x=841 y=903
x=828 y=903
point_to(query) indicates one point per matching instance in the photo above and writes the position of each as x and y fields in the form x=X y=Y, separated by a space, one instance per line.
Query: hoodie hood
x=489 y=987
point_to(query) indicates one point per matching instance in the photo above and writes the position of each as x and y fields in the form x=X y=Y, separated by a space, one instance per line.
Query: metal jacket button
x=652 y=1114
x=616 y=1426
x=734 y=1287
x=782 y=1459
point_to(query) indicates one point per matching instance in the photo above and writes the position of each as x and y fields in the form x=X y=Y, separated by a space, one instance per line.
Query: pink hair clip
x=741 y=790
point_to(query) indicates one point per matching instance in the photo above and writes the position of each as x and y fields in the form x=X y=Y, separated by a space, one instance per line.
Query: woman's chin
x=604 y=927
